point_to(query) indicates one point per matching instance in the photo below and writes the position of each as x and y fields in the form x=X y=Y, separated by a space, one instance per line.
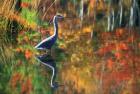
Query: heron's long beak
x=70 y=18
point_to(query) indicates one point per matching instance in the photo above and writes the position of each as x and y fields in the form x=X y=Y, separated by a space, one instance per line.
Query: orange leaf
x=26 y=38
x=18 y=49
x=14 y=79
x=24 y=5
x=92 y=3
x=122 y=46
x=120 y=32
x=28 y=54
x=87 y=29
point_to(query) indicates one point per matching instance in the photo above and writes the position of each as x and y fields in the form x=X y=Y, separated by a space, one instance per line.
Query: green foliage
x=29 y=15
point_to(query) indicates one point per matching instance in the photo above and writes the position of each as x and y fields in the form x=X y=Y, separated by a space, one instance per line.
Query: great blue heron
x=47 y=44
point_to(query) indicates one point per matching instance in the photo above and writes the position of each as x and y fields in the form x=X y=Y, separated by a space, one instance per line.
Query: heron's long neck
x=55 y=27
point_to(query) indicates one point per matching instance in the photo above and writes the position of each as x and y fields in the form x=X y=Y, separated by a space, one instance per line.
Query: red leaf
x=122 y=46
x=118 y=55
x=110 y=64
x=123 y=62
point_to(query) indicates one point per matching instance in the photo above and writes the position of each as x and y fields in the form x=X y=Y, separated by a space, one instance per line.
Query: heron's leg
x=46 y=51
x=51 y=51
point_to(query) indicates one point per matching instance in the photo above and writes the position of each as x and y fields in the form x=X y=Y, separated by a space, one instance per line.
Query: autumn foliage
x=89 y=58
x=120 y=59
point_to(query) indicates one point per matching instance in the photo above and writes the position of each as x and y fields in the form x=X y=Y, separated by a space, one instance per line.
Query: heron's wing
x=44 y=41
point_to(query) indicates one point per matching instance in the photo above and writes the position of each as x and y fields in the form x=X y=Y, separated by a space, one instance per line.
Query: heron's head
x=57 y=17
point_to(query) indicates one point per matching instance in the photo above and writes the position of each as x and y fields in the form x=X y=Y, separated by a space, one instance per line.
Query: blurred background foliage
x=97 y=51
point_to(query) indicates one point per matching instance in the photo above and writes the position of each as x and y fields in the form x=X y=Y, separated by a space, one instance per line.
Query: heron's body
x=47 y=43
x=50 y=41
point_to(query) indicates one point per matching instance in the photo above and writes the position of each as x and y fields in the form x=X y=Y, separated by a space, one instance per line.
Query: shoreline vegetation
x=97 y=51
